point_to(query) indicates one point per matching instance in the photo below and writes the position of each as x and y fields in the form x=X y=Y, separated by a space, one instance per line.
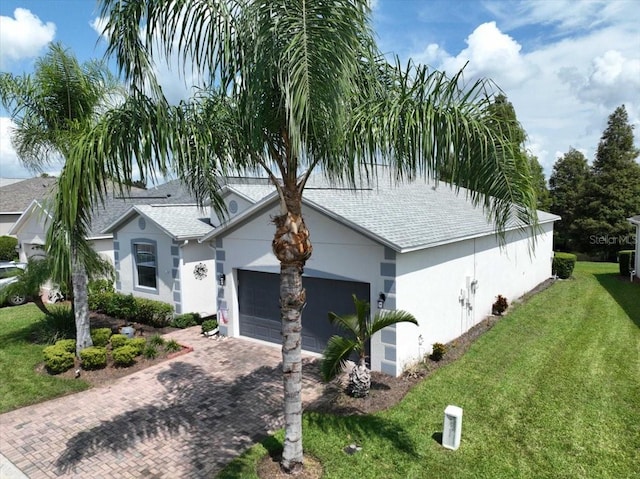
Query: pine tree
x=613 y=193
x=566 y=185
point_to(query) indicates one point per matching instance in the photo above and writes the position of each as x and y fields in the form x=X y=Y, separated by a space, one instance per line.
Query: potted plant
x=210 y=327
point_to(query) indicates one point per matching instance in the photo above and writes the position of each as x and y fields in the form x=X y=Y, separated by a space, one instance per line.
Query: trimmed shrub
x=626 y=261
x=563 y=264
x=153 y=313
x=438 y=350
x=172 y=346
x=94 y=357
x=130 y=308
x=57 y=359
x=8 y=248
x=121 y=306
x=118 y=340
x=124 y=355
x=209 y=325
x=68 y=345
x=150 y=352
x=100 y=286
x=100 y=336
x=186 y=320
x=138 y=344
x=500 y=306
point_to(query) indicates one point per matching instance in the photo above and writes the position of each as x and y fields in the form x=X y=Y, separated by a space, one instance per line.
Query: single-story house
x=418 y=247
x=635 y=220
x=17 y=195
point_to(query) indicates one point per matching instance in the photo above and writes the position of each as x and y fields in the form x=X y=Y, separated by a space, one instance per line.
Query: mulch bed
x=108 y=374
x=386 y=391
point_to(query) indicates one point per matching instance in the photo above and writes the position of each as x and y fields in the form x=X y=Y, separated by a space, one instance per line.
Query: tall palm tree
x=52 y=109
x=361 y=329
x=295 y=86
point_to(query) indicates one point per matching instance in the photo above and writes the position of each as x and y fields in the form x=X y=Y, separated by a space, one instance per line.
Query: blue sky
x=564 y=64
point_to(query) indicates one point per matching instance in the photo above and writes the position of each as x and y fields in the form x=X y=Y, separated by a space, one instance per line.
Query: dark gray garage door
x=258 y=298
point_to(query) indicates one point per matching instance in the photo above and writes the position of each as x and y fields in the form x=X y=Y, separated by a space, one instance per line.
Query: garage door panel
x=258 y=297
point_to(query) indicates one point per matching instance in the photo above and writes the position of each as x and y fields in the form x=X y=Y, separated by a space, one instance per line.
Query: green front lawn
x=552 y=391
x=20 y=384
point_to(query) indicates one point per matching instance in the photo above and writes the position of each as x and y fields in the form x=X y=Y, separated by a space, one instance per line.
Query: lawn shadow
x=365 y=426
x=624 y=292
x=203 y=407
x=437 y=436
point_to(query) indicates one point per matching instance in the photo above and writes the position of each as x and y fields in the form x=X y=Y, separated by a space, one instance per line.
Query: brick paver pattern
x=184 y=418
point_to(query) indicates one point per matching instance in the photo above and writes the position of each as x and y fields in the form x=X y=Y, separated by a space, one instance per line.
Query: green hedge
x=93 y=358
x=68 y=345
x=100 y=336
x=8 y=248
x=118 y=340
x=186 y=320
x=124 y=355
x=57 y=359
x=130 y=308
x=626 y=261
x=138 y=344
x=563 y=264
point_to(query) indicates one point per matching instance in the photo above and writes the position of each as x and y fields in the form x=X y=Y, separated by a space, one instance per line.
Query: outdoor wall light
x=381 y=299
x=474 y=286
x=222 y=279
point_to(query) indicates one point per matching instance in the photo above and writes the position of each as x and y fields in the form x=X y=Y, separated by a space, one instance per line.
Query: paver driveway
x=184 y=418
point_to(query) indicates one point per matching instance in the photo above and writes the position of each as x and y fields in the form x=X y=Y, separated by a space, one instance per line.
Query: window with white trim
x=146 y=265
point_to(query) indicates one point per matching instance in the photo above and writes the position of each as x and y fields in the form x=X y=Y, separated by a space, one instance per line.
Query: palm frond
x=387 y=318
x=335 y=356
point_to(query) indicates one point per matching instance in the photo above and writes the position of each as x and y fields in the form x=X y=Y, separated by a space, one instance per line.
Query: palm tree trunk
x=80 y=280
x=292 y=247
x=37 y=300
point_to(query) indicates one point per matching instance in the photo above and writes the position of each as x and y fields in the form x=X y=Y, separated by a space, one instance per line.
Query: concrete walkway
x=186 y=417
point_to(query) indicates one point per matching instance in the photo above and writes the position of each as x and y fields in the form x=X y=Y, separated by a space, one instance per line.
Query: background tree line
x=595 y=201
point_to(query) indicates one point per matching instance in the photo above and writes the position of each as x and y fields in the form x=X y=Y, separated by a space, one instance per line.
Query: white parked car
x=9 y=272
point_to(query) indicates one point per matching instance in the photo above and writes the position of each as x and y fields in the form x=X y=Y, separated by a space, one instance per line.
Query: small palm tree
x=362 y=329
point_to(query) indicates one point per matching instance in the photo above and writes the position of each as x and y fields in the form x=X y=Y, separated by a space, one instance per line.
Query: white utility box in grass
x=452 y=427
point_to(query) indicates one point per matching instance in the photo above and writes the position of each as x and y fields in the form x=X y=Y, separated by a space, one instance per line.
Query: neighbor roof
x=114 y=205
x=16 y=197
x=405 y=217
x=635 y=220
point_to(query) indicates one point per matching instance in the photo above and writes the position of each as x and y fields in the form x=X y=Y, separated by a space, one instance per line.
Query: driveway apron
x=186 y=417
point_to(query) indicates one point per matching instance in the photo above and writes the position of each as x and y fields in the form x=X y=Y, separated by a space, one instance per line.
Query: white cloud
x=563 y=91
x=490 y=54
x=23 y=36
x=10 y=164
x=565 y=16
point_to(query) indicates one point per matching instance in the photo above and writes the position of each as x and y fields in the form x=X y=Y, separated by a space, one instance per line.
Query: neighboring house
x=31 y=226
x=416 y=247
x=635 y=220
x=17 y=195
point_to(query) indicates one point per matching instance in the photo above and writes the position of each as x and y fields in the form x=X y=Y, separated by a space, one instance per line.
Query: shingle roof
x=178 y=221
x=115 y=206
x=20 y=195
x=16 y=197
x=405 y=216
